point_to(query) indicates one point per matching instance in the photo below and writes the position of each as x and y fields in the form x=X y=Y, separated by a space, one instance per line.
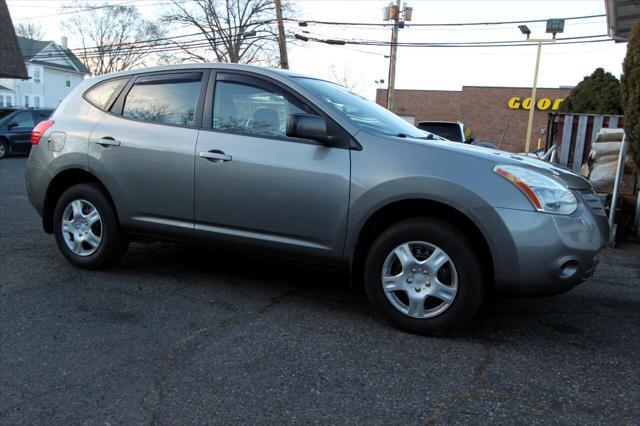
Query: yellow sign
x=542 y=104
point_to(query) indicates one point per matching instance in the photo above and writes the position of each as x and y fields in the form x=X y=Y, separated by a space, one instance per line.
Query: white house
x=53 y=72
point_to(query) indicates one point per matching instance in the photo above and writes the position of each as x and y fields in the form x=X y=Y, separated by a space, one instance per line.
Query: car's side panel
x=149 y=175
x=149 y=170
x=274 y=195
x=75 y=118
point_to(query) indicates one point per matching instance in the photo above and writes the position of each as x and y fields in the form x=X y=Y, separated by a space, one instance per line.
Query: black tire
x=114 y=243
x=461 y=251
x=4 y=149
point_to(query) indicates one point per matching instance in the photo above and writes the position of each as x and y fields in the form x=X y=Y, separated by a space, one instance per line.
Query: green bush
x=598 y=93
x=631 y=91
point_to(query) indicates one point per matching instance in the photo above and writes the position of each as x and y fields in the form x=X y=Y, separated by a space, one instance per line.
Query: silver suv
x=269 y=161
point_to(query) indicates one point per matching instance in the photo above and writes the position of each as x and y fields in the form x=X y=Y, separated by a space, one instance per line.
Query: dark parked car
x=454 y=131
x=15 y=129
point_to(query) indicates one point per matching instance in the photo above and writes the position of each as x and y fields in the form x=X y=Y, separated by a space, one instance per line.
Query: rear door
x=143 y=150
x=19 y=131
x=259 y=188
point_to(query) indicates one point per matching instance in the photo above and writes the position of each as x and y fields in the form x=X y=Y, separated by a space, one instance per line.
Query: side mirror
x=308 y=126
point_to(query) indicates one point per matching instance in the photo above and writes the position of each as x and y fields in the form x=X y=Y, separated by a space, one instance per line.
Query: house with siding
x=53 y=72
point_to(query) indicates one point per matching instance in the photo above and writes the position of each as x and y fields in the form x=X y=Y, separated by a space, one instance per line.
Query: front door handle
x=107 y=141
x=215 y=156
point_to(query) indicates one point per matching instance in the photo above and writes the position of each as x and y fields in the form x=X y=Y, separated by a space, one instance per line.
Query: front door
x=259 y=188
x=143 y=151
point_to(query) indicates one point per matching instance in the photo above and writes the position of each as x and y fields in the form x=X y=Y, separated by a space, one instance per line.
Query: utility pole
x=284 y=61
x=393 y=13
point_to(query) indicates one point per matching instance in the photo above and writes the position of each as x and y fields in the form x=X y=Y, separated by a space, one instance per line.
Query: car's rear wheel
x=4 y=149
x=86 y=228
x=424 y=276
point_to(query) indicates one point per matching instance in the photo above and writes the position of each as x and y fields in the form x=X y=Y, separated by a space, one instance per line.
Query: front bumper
x=544 y=254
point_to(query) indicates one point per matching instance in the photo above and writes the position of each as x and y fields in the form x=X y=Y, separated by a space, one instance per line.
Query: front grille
x=592 y=200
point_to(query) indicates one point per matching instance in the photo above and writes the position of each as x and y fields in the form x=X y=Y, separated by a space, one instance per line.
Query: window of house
x=36 y=101
x=67 y=80
x=2 y=101
x=249 y=109
x=9 y=101
x=103 y=94
x=167 y=98
x=26 y=101
x=36 y=76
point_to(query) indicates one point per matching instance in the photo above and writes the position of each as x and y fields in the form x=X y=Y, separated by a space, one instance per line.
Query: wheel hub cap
x=419 y=279
x=82 y=227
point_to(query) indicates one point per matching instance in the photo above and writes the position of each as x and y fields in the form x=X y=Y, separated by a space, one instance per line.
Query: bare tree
x=241 y=31
x=29 y=30
x=345 y=77
x=115 y=38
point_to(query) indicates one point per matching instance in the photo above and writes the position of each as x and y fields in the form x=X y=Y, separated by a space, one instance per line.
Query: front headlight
x=545 y=193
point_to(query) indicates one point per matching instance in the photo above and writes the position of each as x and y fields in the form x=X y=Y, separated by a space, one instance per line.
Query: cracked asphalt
x=174 y=335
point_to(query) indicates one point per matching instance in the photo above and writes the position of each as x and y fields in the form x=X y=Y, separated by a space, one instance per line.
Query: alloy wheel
x=419 y=279
x=82 y=227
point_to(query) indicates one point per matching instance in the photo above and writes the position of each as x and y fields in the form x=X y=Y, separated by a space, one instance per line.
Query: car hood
x=572 y=180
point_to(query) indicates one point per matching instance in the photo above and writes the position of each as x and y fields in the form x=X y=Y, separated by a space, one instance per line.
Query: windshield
x=449 y=131
x=362 y=112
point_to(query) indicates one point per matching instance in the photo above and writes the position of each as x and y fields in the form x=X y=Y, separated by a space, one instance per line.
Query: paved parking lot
x=174 y=335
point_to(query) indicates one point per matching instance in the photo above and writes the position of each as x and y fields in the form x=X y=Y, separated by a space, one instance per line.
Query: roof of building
x=12 y=65
x=621 y=16
x=6 y=89
x=31 y=48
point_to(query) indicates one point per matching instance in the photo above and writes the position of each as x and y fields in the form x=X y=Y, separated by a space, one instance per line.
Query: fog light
x=568 y=269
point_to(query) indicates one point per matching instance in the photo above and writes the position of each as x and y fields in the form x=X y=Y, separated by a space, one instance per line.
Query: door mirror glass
x=308 y=126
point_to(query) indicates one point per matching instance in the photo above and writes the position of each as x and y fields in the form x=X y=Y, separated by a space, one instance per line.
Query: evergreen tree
x=631 y=91
x=598 y=93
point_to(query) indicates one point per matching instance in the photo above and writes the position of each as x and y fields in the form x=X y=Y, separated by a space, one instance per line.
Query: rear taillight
x=38 y=131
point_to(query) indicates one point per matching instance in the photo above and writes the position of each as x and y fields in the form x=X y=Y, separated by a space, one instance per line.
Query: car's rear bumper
x=547 y=254
x=37 y=179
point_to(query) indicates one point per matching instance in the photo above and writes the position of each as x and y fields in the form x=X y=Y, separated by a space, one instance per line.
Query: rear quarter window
x=103 y=94
x=164 y=99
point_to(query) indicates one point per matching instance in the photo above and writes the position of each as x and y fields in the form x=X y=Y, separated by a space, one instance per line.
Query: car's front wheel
x=86 y=228
x=424 y=276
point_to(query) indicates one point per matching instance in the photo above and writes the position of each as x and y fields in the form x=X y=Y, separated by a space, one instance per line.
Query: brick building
x=487 y=111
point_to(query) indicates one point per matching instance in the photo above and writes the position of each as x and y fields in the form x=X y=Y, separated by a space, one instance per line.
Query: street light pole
x=534 y=89
x=554 y=26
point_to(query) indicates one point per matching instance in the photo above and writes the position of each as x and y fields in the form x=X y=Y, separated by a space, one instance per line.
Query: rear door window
x=103 y=94
x=164 y=99
x=22 y=120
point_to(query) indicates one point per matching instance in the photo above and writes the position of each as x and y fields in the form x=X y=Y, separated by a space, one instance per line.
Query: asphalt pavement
x=175 y=335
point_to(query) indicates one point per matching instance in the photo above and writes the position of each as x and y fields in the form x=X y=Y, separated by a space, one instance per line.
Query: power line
x=506 y=43
x=450 y=24
x=307 y=37
x=92 y=8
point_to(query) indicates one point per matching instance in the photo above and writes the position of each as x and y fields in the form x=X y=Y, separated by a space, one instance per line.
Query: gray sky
x=422 y=68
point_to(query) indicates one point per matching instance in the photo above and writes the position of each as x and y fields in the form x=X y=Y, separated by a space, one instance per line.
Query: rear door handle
x=107 y=141
x=215 y=156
